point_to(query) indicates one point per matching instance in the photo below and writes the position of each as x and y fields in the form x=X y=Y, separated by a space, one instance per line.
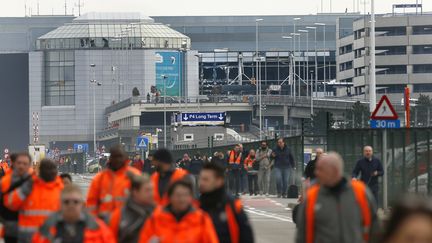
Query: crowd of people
x=190 y=200
x=123 y=204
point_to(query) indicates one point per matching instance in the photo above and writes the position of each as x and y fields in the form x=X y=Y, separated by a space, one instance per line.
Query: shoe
x=250 y=194
x=256 y=194
x=279 y=195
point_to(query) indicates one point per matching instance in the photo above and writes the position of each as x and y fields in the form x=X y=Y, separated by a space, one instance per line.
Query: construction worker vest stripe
x=359 y=190
x=233 y=159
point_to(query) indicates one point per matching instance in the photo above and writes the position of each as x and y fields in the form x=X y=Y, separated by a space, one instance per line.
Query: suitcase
x=293 y=191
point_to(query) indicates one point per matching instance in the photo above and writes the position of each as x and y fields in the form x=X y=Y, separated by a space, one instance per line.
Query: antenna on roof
x=79 y=5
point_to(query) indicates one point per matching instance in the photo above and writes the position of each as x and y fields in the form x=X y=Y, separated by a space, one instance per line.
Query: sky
x=16 y=8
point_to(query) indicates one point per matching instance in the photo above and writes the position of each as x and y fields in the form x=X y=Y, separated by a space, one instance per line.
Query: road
x=270 y=217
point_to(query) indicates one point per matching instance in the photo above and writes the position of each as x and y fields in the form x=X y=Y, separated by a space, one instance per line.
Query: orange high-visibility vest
x=178 y=174
x=233 y=159
x=359 y=189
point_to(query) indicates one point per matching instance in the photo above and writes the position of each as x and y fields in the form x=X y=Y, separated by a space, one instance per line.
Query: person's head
x=72 y=203
x=12 y=158
x=186 y=157
x=281 y=143
x=47 y=170
x=117 y=157
x=163 y=160
x=212 y=177
x=237 y=148
x=410 y=222
x=150 y=157
x=180 y=195
x=368 y=152
x=137 y=156
x=319 y=152
x=141 y=189
x=66 y=178
x=263 y=145
x=252 y=153
x=329 y=169
x=22 y=163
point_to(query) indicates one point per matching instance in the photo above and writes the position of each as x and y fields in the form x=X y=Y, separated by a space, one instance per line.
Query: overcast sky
x=196 y=7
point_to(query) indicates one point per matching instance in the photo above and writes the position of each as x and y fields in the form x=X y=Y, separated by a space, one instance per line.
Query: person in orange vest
x=227 y=214
x=165 y=175
x=126 y=222
x=4 y=167
x=73 y=223
x=336 y=210
x=251 y=166
x=179 y=221
x=19 y=172
x=234 y=169
x=110 y=187
x=36 y=199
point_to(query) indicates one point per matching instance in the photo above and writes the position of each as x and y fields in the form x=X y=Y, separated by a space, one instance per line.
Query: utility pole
x=372 y=84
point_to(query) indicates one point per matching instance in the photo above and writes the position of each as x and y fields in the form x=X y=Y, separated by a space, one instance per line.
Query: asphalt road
x=271 y=218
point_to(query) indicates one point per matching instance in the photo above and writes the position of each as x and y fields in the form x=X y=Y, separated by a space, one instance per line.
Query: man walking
x=309 y=172
x=370 y=169
x=263 y=155
x=283 y=166
x=336 y=210
x=234 y=169
x=229 y=219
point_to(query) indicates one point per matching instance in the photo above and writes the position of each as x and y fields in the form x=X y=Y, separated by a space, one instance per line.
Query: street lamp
x=307 y=61
x=289 y=68
x=165 y=77
x=324 y=48
x=299 y=49
x=258 y=75
x=294 y=61
x=95 y=84
x=316 y=68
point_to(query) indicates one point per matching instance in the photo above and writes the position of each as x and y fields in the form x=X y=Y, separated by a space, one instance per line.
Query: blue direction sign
x=81 y=147
x=142 y=142
x=208 y=118
x=382 y=124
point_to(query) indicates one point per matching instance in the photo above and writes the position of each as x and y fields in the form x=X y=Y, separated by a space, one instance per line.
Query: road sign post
x=384 y=117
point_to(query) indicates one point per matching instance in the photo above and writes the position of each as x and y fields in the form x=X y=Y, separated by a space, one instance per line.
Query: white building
x=118 y=52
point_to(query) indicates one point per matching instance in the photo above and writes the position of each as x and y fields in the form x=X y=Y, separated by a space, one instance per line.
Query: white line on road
x=281 y=218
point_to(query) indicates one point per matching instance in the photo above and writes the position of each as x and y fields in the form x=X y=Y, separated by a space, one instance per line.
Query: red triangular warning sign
x=384 y=110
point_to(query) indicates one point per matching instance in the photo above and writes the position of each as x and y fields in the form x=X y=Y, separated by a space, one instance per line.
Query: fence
x=408 y=156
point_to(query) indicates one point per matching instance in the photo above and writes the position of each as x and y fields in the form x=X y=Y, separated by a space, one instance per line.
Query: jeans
x=264 y=180
x=243 y=181
x=282 y=176
x=253 y=184
x=234 y=181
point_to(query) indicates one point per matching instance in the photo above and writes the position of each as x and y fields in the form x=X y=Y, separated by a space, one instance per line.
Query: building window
x=359 y=34
x=390 y=50
x=359 y=52
x=390 y=31
x=422 y=30
x=422 y=68
x=188 y=137
x=422 y=49
x=419 y=88
x=345 y=49
x=391 y=88
x=59 y=78
x=346 y=66
x=393 y=69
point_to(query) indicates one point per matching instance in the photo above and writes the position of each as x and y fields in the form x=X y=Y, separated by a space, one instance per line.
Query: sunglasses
x=71 y=201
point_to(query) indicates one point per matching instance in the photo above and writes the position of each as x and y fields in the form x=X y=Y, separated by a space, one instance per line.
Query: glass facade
x=422 y=68
x=422 y=30
x=418 y=88
x=390 y=50
x=59 y=85
x=391 y=69
x=422 y=49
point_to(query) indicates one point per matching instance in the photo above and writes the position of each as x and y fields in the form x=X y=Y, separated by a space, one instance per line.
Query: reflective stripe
x=10 y=198
x=36 y=212
x=21 y=194
x=28 y=229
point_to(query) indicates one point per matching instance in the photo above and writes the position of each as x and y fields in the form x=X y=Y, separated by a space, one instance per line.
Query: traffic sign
x=208 y=118
x=142 y=142
x=384 y=110
x=383 y=124
x=81 y=147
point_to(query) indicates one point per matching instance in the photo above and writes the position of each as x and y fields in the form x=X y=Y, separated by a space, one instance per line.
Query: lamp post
x=95 y=84
x=289 y=58
x=307 y=61
x=316 y=67
x=165 y=77
x=324 y=48
x=295 y=49
x=294 y=62
x=258 y=75
x=372 y=84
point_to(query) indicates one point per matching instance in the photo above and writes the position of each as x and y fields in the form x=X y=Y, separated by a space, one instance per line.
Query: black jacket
x=283 y=157
x=195 y=166
x=214 y=203
x=367 y=168
x=310 y=170
x=220 y=161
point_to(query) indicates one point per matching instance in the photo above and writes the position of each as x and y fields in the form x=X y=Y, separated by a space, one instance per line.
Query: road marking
x=278 y=217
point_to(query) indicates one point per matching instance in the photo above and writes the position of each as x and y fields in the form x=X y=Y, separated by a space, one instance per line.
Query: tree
x=421 y=112
x=358 y=116
x=135 y=92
